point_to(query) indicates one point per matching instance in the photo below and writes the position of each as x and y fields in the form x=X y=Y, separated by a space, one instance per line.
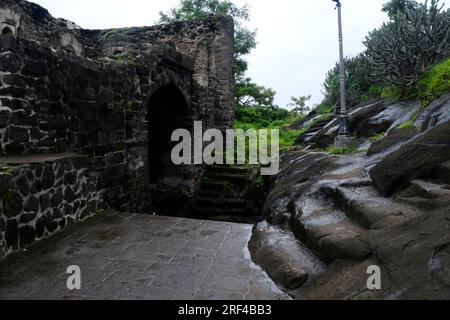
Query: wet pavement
x=135 y=256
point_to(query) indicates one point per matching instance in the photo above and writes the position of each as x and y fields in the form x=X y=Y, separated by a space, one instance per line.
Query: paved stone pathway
x=133 y=256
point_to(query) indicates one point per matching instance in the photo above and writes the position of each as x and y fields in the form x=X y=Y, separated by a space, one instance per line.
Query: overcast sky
x=297 y=39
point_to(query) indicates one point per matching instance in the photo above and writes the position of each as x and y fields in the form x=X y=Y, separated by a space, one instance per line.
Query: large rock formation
x=389 y=208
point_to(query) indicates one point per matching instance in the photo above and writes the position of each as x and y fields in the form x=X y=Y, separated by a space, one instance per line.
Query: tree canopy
x=245 y=39
x=398 y=54
x=416 y=37
x=299 y=104
x=254 y=103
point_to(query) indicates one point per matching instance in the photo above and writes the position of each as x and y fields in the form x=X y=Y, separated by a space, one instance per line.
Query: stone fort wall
x=75 y=113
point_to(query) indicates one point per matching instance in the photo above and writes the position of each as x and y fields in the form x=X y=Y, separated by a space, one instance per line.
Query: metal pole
x=343 y=139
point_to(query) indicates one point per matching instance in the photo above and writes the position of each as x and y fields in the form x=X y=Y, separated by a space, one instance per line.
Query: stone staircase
x=320 y=225
x=226 y=193
x=336 y=219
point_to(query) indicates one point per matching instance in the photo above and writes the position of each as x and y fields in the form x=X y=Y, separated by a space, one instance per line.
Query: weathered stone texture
x=42 y=212
x=89 y=92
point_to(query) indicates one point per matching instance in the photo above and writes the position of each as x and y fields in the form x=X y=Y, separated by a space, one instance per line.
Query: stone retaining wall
x=43 y=197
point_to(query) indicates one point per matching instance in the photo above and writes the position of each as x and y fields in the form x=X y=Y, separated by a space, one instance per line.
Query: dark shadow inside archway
x=168 y=112
x=7 y=30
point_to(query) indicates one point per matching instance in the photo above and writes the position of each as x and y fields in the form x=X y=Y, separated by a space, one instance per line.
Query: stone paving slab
x=135 y=256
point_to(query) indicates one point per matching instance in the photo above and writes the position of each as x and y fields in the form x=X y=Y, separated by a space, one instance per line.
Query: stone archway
x=168 y=111
x=7 y=30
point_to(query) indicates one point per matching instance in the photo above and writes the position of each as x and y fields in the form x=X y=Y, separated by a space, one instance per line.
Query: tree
x=299 y=104
x=417 y=36
x=245 y=39
x=357 y=82
x=249 y=94
x=394 y=7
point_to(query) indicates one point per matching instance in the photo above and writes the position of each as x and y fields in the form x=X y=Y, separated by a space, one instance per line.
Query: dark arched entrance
x=168 y=112
x=7 y=30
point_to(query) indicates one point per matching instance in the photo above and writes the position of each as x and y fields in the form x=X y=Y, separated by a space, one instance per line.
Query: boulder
x=286 y=261
x=361 y=114
x=436 y=113
x=416 y=255
x=387 y=120
x=414 y=259
x=394 y=137
x=414 y=159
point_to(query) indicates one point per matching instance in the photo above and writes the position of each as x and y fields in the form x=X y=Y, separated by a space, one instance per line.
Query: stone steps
x=223 y=202
x=223 y=177
x=327 y=231
x=211 y=185
x=334 y=221
x=365 y=206
x=227 y=169
x=425 y=195
x=442 y=172
x=430 y=190
x=220 y=196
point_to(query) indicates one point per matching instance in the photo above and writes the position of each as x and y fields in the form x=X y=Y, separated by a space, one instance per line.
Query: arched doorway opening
x=7 y=30
x=168 y=112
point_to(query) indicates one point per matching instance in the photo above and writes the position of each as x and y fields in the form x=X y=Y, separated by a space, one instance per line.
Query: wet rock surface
x=388 y=208
x=413 y=159
x=288 y=262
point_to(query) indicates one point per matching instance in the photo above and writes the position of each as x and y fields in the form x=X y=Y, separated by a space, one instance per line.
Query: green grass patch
x=407 y=125
x=7 y=169
x=435 y=82
x=340 y=151
x=378 y=137
x=128 y=57
x=288 y=138
x=324 y=109
x=127 y=105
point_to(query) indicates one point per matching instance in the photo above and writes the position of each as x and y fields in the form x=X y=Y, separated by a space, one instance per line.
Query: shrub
x=401 y=50
x=435 y=82
x=357 y=82
x=261 y=116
